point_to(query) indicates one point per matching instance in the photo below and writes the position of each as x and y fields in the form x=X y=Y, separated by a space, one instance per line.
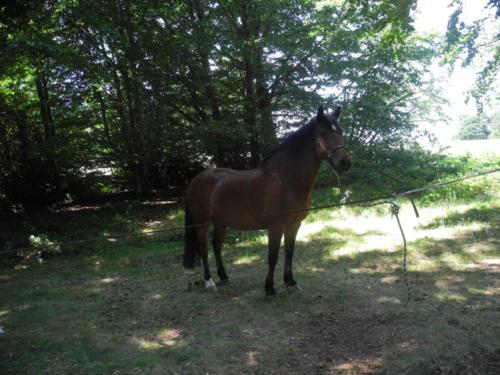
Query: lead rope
x=395 y=212
x=346 y=197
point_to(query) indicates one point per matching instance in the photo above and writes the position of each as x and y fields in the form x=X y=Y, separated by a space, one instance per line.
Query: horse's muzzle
x=342 y=163
x=341 y=166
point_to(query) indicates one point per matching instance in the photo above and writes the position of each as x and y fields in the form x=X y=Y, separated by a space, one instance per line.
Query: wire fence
x=385 y=199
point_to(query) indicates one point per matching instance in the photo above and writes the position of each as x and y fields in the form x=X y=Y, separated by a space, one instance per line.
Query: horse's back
x=223 y=194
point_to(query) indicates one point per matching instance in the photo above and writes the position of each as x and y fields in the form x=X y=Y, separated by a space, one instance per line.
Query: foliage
x=494 y=125
x=467 y=42
x=149 y=93
x=481 y=126
x=40 y=246
x=473 y=127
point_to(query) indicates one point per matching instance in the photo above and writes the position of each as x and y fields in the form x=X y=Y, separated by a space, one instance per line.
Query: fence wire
x=385 y=199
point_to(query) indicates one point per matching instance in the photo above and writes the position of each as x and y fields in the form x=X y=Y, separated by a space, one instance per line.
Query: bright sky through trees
x=432 y=17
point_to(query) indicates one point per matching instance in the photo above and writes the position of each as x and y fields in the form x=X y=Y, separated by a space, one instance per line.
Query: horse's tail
x=190 y=240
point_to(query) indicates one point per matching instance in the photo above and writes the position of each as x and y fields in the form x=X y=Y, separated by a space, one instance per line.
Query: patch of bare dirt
x=337 y=343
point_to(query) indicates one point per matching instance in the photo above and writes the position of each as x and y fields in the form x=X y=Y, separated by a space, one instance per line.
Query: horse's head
x=330 y=141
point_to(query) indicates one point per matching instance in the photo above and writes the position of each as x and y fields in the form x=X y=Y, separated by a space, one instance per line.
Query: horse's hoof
x=293 y=288
x=223 y=281
x=270 y=292
x=210 y=285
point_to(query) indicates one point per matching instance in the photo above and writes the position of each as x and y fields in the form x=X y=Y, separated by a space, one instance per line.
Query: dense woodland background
x=100 y=97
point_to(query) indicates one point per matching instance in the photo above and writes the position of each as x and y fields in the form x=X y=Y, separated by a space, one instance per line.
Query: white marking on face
x=210 y=285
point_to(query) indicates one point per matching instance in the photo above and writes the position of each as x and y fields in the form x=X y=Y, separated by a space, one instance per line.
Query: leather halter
x=330 y=153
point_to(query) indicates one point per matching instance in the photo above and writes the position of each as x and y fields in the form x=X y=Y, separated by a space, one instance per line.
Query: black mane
x=293 y=141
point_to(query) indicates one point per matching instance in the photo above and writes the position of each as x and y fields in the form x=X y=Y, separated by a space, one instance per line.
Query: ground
x=128 y=307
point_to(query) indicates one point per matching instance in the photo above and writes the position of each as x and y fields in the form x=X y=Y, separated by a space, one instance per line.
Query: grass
x=127 y=306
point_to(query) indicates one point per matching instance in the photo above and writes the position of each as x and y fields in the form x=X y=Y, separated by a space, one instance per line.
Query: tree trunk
x=197 y=16
x=103 y=110
x=45 y=111
x=249 y=105
x=22 y=134
x=266 y=126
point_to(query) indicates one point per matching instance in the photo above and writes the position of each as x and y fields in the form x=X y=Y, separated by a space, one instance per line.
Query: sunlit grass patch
x=165 y=338
x=128 y=307
x=246 y=259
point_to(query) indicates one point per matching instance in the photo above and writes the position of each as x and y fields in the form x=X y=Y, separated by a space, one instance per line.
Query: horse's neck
x=299 y=170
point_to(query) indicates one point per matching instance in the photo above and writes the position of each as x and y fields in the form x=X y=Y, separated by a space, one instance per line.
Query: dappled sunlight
x=482 y=247
x=446 y=296
x=308 y=231
x=252 y=358
x=315 y=269
x=159 y=203
x=156 y=296
x=444 y=283
x=108 y=280
x=94 y=290
x=448 y=232
x=456 y=262
x=246 y=239
x=349 y=317
x=166 y=338
x=246 y=259
x=373 y=269
x=491 y=265
x=420 y=263
x=78 y=208
x=389 y=279
x=430 y=246
x=153 y=223
x=488 y=292
x=406 y=345
x=366 y=365
x=369 y=243
x=389 y=300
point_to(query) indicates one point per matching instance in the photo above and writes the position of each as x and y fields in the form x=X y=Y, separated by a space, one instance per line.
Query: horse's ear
x=320 y=114
x=336 y=114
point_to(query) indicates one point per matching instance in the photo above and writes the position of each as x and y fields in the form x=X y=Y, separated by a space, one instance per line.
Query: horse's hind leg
x=219 y=234
x=274 y=239
x=202 y=236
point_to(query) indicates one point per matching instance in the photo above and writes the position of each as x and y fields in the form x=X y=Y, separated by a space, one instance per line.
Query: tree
x=494 y=125
x=473 y=127
x=465 y=43
x=157 y=90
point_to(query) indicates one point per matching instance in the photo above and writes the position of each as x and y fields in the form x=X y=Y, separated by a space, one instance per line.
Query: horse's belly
x=233 y=212
x=246 y=202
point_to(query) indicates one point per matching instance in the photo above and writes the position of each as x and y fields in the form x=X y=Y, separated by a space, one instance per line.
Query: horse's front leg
x=290 y=235
x=274 y=242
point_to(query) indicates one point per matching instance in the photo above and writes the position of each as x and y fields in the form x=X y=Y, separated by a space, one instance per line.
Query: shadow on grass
x=489 y=215
x=101 y=223
x=129 y=310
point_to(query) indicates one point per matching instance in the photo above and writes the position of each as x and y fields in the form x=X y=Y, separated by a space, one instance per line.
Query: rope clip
x=394 y=208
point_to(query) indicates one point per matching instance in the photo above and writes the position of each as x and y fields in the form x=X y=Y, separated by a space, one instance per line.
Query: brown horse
x=248 y=200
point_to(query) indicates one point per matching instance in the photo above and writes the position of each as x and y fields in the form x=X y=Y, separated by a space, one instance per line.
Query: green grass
x=127 y=307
